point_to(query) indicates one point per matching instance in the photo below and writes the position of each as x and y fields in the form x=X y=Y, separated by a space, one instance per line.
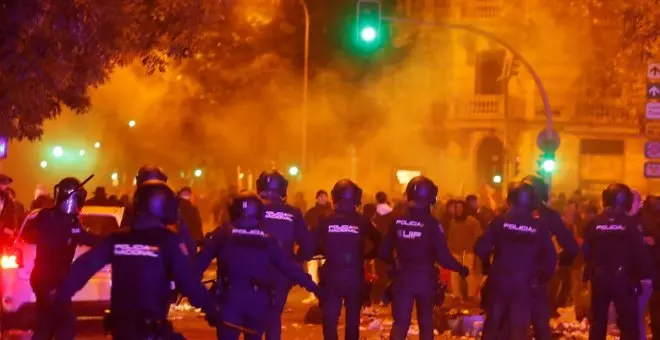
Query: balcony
x=487 y=108
x=481 y=9
x=605 y=114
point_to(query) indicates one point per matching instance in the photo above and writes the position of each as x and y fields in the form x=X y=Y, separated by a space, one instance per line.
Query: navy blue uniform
x=285 y=223
x=144 y=262
x=616 y=260
x=57 y=236
x=524 y=259
x=341 y=239
x=419 y=243
x=245 y=257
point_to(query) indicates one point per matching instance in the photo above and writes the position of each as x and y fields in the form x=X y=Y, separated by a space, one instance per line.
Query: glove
x=464 y=272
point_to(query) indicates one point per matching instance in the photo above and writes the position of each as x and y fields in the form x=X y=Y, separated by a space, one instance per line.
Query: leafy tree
x=53 y=51
x=619 y=37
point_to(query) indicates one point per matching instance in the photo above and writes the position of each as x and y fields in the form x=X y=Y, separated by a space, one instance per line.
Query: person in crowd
x=190 y=214
x=8 y=218
x=99 y=198
x=321 y=210
x=20 y=208
x=299 y=202
x=465 y=230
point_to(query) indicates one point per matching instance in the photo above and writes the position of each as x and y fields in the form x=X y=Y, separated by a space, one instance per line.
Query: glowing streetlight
x=294 y=171
x=82 y=152
x=497 y=179
x=241 y=175
x=43 y=164
x=198 y=173
x=131 y=123
x=58 y=151
x=97 y=145
x=114 y=176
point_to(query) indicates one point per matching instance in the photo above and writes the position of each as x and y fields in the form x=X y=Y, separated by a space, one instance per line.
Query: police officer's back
x=285 y=223
x=144 y=259
x=245 y=254
x=523 y=259
x=341 y=239
x=419 y=242
x=616 y=261
x=58 y=232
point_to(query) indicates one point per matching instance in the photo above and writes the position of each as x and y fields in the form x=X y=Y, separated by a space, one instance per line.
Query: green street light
x=368 y=34
x=549 y=165
x=58 y=152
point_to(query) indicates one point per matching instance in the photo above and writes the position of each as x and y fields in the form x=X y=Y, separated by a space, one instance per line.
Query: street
x=193 y=326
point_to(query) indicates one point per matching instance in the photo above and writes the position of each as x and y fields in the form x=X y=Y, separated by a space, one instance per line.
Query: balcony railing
x=605 y=114
x=481 y=9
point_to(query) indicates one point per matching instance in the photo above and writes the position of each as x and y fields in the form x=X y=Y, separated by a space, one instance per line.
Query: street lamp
x=198 y=173
x=82 y=152
x=305 y=110
x=43 y=164
x=58 y=152
x=131 y=123
x=97 y=145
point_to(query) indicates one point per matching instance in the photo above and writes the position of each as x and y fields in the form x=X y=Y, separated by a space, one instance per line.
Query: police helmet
x=246 y=209
x=618 y=196
x=70 y=196
x=522 y=195
x=346 y=195
x=272 y=182
x=421 y=190
x=156 y=198
x=540 y=187
x=150 y=172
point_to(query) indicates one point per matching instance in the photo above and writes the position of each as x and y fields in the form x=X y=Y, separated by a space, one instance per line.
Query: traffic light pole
x=491 y=36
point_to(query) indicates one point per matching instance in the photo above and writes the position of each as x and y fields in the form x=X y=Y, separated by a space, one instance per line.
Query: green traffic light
x=368 y=34
x=549 y=165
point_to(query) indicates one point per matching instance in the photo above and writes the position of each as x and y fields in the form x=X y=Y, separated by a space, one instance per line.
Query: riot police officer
x=57 y=233
x=616 y=261
x=524 y=259
x=286 y=224
x=341 y=239
x=546 y=304
x=144 y=259
x=151 y=172
x=245 y=255
x=419 y=242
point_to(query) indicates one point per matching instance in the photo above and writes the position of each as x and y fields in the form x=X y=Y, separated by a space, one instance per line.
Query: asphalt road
x=193 y=326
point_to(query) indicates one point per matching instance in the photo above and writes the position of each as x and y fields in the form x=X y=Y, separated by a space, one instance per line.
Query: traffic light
x=516 y=167
x=369 y=19
x=58 y=152
x=515 y=67
x=547 y=163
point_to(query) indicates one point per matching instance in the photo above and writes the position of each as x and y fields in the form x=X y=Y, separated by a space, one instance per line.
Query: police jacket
x=341 y=239
x=181 y=229
x=419 y=242
x=245 y=256
x=614 y=244
x=144 y=261
x=553 y=221
x=56 y=237
x=520 y=244
x=285 y=223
